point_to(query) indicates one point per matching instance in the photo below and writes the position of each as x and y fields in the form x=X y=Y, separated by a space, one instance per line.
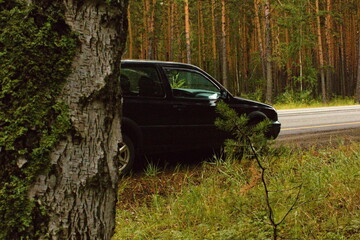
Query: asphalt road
x=312 y=120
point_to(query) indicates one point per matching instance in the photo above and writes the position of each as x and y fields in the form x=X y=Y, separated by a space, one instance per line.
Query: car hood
x=248 y=106
x=244 y=101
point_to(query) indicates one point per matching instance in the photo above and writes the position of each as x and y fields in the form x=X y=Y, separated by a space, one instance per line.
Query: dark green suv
x=170 y=107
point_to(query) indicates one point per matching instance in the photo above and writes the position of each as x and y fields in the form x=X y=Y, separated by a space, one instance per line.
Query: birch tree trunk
x=79 y=193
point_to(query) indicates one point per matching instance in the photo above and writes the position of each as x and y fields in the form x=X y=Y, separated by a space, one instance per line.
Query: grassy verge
x=224 y=199
x=332 y=103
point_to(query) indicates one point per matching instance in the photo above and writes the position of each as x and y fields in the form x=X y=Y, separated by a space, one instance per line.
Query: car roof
x=156 y=62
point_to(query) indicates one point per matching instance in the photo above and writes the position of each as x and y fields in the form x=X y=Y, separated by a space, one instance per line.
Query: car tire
x=256 y=118
x=126 y=155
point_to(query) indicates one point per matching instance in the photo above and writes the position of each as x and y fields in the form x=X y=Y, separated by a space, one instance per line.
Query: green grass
x=334 y=102
x=225 y=199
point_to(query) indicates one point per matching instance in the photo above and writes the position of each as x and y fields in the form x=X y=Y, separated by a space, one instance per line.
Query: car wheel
x=256 y=118
x=126 y=155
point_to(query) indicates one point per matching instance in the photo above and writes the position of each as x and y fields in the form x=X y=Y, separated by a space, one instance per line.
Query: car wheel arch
x=132 y=130
x=256 y=117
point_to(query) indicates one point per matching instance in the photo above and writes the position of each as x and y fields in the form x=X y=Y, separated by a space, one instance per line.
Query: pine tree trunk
x=79 y=193
x=321 y=55
x=201 y=36
x=223 y=46
x=213 y=32
x=288 y=82
x=170 y=30
x=187 y=32
x=301 y=66
x=245 y=60
x=130 y=33
x=330 y=47
x=259 y=37
x=151 y=28
x=145 y=42
x=343 y=86
x=268 y=42
x=357 y=93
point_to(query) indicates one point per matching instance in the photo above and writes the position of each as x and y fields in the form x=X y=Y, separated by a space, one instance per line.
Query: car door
x=145 y=104
x=194 y=97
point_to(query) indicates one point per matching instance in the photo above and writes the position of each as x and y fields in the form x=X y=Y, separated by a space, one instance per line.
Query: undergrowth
x=223 y=199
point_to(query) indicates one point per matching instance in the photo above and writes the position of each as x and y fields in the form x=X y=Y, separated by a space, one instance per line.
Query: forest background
x=267 y=50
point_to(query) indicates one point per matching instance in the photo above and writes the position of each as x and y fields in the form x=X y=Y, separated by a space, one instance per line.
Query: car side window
x=191 y=84
x=141 y=81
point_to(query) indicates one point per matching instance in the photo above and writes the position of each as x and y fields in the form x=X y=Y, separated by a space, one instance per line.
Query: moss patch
x=36 y=51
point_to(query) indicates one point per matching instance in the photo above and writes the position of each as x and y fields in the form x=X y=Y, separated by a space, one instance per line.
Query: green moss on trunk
x=36 y=51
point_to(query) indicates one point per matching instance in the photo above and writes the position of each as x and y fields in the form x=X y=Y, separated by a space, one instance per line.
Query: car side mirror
x=223 y=94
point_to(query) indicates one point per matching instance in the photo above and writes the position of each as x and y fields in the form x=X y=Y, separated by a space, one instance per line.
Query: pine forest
x=270 y=50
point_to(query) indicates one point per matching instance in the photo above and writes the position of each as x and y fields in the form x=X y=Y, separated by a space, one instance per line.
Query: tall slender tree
x=223 y=46
x=213 y=33
x=201 y=35
x=130 y=36
x=268 y=52
x=187 y=31
x=259 y=36
x=170 y=37
x=320 y=52
x=357 y=93
x=329 y=46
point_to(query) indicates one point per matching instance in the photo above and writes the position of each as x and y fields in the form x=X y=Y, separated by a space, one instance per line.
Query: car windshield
x=191 y=84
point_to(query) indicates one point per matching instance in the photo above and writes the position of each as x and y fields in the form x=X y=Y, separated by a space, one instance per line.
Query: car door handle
x=179 y=107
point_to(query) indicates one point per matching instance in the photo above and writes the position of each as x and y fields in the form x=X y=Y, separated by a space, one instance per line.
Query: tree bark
x=130 y=33
x=79 y=193
x=149 y=14
x=170 y=30
x=321 y=55
x=259 y=37
x=213 y=33
x=223 y=46
x=187 y=32
x=151 y=26
x=357 y=93
x=201 y=37
x=330 y=47
x=343 y=86
x=268 y=41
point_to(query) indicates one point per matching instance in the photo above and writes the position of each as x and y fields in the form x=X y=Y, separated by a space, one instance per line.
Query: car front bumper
x=274 y=130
